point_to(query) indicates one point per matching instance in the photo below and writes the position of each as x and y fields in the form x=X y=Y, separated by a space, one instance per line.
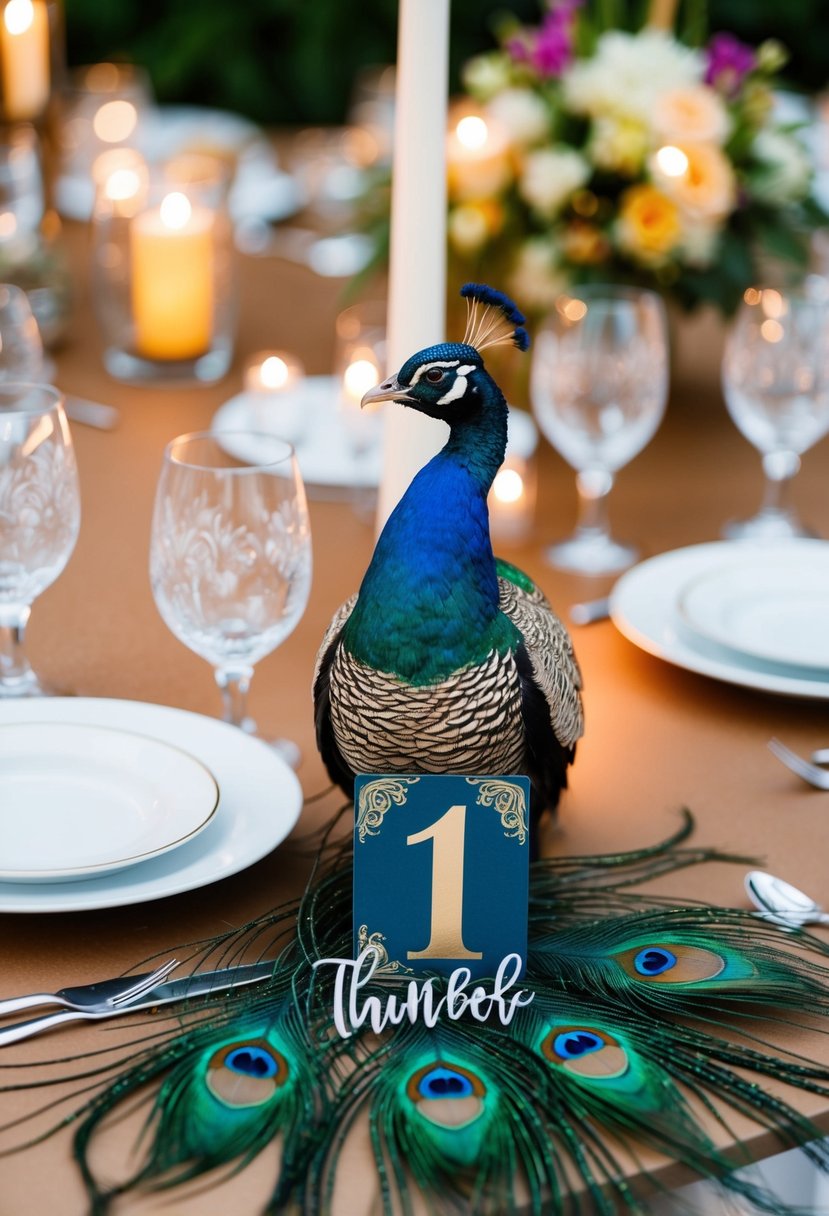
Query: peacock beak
x=389 y=390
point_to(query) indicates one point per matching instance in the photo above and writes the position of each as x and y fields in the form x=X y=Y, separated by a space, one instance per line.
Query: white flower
x=486 y=75
x=629 y=73
x=550 y=176
x=522 y=114
x=700 y=242
x=785 y=172
x=535 y=279
x=467 y=228
x=619 y=144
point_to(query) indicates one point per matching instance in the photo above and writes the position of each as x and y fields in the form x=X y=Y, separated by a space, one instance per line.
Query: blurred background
x=274 y=60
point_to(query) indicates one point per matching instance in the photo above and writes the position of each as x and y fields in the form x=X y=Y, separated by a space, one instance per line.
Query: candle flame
x=175 y=210
x=508 y=486
x=115 y=121
x=772 y=331
x=672 y=161
x=18 y=16
x=274 y=372
x=122 y=184
x=359 y=377
x=472 y=132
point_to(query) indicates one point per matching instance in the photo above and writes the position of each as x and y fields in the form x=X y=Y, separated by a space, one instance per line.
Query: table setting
x=215 y=414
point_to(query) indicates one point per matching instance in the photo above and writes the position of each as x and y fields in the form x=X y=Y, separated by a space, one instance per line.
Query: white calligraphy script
x=351 y=1009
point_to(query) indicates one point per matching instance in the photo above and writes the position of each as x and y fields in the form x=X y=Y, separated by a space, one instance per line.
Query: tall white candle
x=417 y=285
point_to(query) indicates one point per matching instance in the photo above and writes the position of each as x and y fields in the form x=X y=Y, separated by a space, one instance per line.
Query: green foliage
x=278 y=61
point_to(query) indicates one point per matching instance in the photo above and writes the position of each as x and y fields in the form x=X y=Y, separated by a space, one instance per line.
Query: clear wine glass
x=599 y=384
x=775 y=379
x=21 y=346
x=230 y=555
x=40 y=517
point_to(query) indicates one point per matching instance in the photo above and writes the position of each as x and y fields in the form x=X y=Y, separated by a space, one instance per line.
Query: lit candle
x=272 y=372
x=171 y=249
x=477 y=157
x=513 y=493
x=24 y=56
x=417 y=277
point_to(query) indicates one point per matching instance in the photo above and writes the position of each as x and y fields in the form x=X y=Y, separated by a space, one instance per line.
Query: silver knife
x=198 y=984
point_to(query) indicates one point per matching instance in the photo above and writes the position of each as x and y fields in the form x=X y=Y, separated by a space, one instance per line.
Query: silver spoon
x=780 y=902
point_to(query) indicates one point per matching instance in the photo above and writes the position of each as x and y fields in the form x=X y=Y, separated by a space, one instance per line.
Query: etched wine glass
x=775 y=377
x=599 y=384
x=40 y=517
x=230 y=555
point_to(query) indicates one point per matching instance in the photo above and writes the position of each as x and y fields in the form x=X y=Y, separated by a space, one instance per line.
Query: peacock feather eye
x=443 y=1080
x=585 y=1052
x=676 y=963
x=246 y=1073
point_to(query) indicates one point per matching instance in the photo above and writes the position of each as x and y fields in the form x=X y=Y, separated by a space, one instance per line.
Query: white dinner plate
x=644 y=602
x=308 y=416
x=78 y=800
x=260 y=800
x=777 y=612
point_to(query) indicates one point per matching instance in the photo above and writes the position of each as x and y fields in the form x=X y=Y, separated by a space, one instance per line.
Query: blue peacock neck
x=428 y=604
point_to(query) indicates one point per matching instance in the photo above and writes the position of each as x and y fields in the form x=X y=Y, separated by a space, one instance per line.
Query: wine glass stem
x=594 y=486
x=780 y=469
x=14 y=666
x=234 y=683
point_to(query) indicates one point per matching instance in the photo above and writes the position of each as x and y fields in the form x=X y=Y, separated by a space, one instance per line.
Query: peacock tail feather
x=651 y=1027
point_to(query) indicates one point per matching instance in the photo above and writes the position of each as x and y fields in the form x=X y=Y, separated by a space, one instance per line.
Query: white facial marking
x=459 y=387
x=426 y=366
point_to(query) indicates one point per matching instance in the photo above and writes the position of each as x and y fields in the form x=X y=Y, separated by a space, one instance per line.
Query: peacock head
x=449 y=381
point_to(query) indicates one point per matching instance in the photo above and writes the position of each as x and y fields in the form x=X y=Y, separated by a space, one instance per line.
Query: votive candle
x=171 y=249
x=25 y=59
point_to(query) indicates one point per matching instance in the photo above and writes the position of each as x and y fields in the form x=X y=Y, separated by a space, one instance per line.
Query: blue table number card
x=441 y=871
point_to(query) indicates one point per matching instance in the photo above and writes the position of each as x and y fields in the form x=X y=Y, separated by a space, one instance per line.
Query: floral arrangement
x=626 y=156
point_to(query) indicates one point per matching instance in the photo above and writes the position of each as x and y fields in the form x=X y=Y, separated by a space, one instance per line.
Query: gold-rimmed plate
x=79 y=800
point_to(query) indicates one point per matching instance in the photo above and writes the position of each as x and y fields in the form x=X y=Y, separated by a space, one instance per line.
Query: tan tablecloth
x=657 y=738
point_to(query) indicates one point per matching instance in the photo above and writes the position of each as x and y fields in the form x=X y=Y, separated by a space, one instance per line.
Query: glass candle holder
x=104 y=106
x=31 y=57
x=360 y=361
x=163 y=269
x=272 y=379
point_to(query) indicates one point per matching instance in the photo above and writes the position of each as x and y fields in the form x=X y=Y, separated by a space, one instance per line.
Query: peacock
x=449 y=659
x=650 y=1024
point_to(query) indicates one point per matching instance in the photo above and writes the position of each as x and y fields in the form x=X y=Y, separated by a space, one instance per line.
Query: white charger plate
x=78 y=800
x=777 y=613
x=643 y=607
x=309 y=418
x=260 y=801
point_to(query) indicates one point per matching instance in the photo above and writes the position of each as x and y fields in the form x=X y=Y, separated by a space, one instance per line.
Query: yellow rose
x=690 y=116
x=706 y=188
x=648 y=227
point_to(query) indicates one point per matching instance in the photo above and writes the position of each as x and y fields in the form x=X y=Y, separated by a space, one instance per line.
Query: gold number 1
x=447 y=836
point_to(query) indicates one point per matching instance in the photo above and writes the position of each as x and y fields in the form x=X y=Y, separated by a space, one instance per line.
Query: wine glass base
x=767 y=525
x=591 y=554
x=286 y=749
x=28 y=686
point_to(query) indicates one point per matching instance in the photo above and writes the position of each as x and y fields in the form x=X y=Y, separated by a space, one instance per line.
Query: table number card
x=441 y=871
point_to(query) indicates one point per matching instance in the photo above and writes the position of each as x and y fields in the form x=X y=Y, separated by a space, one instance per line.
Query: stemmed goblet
x=599 y=384
x=40 y=516
x=775 y=378
x=230 y=555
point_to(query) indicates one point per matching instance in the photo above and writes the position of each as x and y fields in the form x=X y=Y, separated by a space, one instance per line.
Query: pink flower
x=549 y=49
x=729 y=62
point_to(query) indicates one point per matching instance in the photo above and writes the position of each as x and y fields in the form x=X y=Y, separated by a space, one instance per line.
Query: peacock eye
x=434 y=375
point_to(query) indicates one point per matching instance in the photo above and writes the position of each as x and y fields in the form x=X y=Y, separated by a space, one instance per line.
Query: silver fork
x=93 y=998
x=818 y=777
